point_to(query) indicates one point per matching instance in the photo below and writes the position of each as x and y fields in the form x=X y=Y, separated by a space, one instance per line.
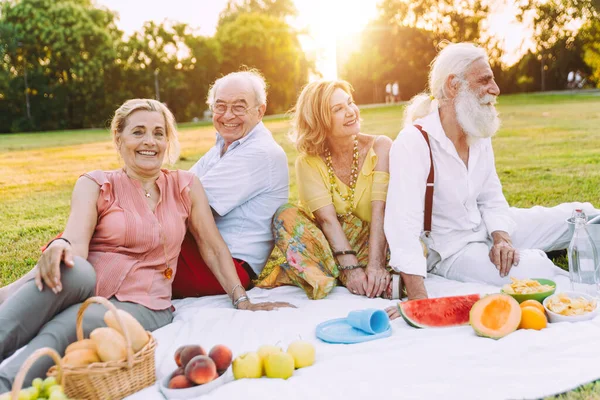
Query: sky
x=316 y=15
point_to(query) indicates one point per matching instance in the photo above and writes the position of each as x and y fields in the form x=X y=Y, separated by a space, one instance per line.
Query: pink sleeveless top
x=132 y=247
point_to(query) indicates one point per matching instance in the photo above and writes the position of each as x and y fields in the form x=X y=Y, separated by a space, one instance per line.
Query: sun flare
x=329 y=22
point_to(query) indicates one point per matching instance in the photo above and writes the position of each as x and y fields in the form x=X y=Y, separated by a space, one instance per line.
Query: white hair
x=454 y=59
x=253 y=76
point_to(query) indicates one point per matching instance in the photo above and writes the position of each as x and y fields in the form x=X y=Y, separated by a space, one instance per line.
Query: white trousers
x=539 y=230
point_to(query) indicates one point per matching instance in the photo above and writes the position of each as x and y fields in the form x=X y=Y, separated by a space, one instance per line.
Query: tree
x=551 y=21
x=387 y=54
x=401 y=43
x=275 y=8
x=270 y=45
x=57 y=50
x=453 y=20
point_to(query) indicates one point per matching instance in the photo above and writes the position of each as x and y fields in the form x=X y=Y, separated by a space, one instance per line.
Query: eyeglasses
x=236 y=109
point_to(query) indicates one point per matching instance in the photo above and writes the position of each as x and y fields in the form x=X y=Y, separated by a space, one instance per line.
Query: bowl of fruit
x=197 y=372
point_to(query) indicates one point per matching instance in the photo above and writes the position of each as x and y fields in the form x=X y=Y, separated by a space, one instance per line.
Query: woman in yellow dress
x=336 y=235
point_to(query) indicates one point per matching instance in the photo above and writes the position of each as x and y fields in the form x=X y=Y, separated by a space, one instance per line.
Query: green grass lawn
x=547 y=152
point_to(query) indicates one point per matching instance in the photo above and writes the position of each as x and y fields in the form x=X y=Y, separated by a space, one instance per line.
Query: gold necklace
x=353 y=178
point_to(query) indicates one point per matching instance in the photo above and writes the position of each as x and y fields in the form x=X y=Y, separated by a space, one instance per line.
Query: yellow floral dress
x=309 y=259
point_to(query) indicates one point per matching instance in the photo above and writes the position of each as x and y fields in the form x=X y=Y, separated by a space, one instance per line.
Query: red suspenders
x=429 y=188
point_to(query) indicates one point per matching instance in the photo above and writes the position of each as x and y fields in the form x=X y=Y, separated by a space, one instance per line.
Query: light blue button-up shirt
x=245 y=187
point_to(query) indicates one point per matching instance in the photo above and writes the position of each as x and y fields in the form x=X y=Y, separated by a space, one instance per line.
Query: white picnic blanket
x=449 y=363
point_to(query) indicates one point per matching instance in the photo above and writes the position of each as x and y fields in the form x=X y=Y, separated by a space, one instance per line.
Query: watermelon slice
x=440 y=312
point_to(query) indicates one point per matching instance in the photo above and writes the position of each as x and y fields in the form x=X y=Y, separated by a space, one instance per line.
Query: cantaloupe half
x=495 y=316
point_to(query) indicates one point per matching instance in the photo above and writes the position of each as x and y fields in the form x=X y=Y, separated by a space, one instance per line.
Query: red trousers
x=193 y=278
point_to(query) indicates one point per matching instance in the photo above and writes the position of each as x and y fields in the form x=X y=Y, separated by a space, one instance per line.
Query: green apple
x=279 y=365
x=303 y=353
x=247 y=365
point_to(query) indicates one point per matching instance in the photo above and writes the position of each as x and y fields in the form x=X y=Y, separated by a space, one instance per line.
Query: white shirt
x=468 y=204
x=245 y=187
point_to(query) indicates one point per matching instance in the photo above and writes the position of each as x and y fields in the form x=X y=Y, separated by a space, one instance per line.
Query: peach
x=180 y=382
x=190 y=352
x=222 y=357
x=178 y=371
x=201 y=369
x=178 y=355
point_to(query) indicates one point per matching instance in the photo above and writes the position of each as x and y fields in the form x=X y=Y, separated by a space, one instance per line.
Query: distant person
x=336 y=236
x=388 y=93
x=395 y=92
x=246 y=179
x=474 y=235
x=121 y=242
x=571 y=80
x=578 y=81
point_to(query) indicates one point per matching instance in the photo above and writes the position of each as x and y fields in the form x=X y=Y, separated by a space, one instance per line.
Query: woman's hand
x=355 y=280
x=378 y=279
x=48 y=266
x=267 y=306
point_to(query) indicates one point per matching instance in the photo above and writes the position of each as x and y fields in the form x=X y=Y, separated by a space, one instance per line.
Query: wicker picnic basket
x=44 y=351
x=113 y=379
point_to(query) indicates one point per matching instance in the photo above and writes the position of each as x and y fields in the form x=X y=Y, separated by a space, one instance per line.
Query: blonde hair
x=454 y=59
x=119 y=122
x=311 y=117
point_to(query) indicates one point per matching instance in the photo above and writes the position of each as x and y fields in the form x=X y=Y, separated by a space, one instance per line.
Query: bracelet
x=235 y=287
x=344 y=252
x=239 y=300
x=58 y=238
x=349 y=267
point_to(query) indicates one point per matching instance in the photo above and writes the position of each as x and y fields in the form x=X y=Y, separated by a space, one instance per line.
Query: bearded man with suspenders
x=444 y=191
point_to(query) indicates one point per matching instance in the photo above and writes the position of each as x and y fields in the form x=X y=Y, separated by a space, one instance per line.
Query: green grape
x=55 y=388
x=56 y=395
x=37 y=383
x=33 y=393
x=48 y=383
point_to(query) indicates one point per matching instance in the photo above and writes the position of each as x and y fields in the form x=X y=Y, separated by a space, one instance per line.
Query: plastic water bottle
x=584 y=266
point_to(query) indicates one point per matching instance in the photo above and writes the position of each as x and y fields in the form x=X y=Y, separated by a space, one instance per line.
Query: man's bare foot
x=392 y=312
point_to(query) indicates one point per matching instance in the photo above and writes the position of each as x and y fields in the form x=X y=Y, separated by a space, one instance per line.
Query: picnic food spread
x=497 y=315
x=195 y=367
x=40 y=389
x=438 y=312
x=525 y=286
x=273 y=362
x=564 y=305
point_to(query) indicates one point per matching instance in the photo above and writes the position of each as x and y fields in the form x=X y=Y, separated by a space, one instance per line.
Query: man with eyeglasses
x=245 y=176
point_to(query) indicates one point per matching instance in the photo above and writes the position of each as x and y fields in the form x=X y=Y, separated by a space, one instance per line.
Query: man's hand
x=415 y=286
x=503 y=255
x=355 y=280
x=378 y=279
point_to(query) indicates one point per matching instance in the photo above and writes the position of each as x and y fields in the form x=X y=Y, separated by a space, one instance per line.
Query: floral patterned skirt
x=310 y=262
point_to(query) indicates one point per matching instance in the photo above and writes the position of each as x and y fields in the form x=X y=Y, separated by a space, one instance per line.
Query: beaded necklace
x=353 y=178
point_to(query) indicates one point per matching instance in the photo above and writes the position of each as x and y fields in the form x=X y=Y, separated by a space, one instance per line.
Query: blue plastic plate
x=340 y=331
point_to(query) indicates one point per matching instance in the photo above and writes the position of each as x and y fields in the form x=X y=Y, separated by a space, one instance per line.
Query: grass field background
x=547 y=152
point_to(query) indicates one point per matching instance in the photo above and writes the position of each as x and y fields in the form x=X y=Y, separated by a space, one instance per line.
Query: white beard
x=477 y=119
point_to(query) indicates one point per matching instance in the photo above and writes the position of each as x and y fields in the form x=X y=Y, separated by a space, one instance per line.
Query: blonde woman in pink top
x=122 y=241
